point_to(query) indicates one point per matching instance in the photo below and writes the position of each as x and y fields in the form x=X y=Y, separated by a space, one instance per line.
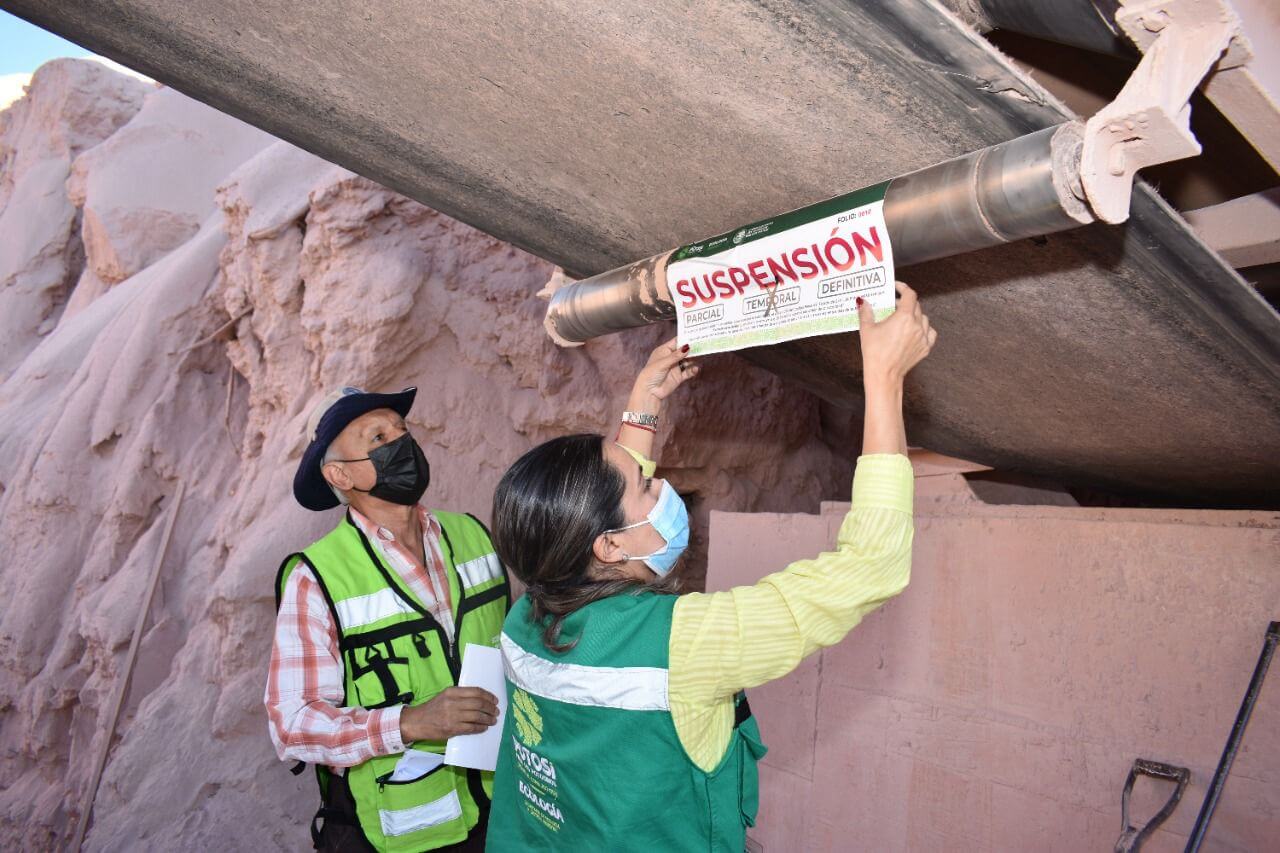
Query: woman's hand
x=897 y=343
x=667 y=369
x=890 y=349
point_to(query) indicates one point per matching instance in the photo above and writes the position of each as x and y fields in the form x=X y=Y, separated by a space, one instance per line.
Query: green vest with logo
x=394 y=652
x=591 y=759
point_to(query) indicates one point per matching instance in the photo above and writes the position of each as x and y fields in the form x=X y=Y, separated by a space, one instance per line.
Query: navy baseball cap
x=329 y=418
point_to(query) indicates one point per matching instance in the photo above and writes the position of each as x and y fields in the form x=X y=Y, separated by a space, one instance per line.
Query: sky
x=24 y=48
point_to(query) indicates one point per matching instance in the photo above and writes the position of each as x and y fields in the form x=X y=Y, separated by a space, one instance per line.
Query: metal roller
x=1017 y=189
x=1021 y=188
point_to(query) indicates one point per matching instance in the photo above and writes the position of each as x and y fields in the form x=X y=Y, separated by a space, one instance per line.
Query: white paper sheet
x=793 y=276
x=414 y=764
x=481 y=667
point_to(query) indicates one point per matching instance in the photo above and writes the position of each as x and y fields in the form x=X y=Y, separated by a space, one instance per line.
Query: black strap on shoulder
x=506 y=577
x=448 y=543
x=741 y=711
x=324 y=590
x=280 y=575
x=483 y=527
x=299 y=768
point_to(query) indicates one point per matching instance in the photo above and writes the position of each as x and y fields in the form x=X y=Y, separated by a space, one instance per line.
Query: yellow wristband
x=647 y=466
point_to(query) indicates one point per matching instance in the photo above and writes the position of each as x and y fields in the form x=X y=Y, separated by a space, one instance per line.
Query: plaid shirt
x=305 y=681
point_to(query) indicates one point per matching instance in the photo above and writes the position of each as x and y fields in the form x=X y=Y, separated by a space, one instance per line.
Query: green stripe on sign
x=782 y=222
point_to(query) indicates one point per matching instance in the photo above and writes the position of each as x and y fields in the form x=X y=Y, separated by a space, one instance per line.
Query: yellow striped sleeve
x=724 y=642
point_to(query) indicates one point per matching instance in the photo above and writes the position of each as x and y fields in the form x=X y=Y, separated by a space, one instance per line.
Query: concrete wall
x=999 y=702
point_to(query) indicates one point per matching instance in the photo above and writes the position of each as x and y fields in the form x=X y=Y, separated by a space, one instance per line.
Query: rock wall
x=71 y=107
x=176 y=290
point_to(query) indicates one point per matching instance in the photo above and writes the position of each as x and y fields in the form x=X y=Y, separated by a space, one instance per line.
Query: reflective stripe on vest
x=415 y=818
x=364 y=610
x=628 y=688
x=476 y=572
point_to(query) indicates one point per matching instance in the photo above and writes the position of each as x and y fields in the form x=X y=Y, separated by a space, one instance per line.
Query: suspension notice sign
x=793 y=276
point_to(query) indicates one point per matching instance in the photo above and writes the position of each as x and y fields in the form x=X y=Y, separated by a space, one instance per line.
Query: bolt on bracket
x=1149 y=121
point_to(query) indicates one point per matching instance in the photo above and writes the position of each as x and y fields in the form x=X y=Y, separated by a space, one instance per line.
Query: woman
x=627 y=726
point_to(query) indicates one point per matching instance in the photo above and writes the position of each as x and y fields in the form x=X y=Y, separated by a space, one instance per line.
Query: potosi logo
x=528 y=719
x=737 y=238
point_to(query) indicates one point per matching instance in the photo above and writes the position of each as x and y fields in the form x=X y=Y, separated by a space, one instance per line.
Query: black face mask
x=402 y=469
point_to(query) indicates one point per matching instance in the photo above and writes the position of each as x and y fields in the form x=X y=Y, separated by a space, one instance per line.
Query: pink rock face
x=998 y=703
x=243 y=287
x=71 y=106
x=146 y=189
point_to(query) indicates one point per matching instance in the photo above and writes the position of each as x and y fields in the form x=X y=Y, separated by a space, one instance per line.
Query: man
x=371 y=625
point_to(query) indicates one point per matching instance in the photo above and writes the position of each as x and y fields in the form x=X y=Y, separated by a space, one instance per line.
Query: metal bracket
x=1149 y=121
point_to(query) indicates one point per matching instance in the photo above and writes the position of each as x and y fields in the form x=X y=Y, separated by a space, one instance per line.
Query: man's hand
x=453 y=711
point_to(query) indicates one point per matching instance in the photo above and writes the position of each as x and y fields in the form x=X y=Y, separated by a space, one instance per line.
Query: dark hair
x=547 y=512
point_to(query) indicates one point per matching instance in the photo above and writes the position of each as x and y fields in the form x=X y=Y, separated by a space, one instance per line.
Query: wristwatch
x=640 y=419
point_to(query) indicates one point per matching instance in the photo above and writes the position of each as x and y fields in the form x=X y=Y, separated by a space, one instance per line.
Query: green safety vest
x=591 y=759
x=394 y=652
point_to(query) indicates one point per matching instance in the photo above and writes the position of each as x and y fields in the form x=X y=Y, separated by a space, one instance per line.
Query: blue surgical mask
x=671 y=519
